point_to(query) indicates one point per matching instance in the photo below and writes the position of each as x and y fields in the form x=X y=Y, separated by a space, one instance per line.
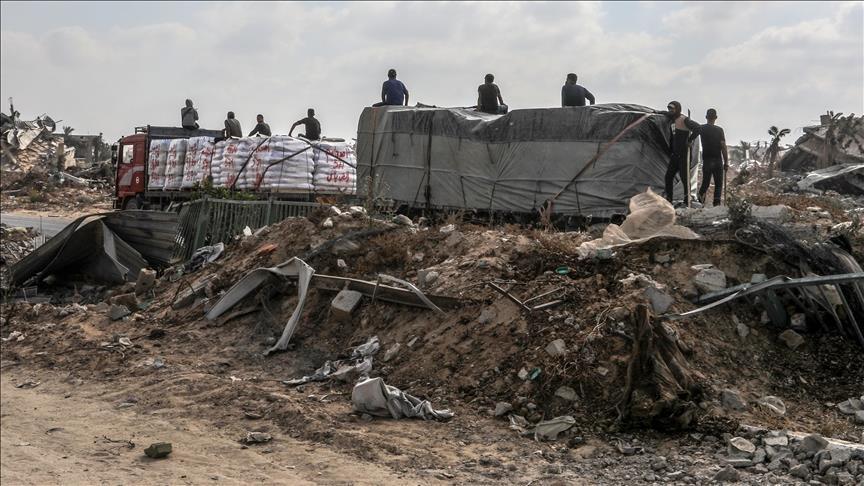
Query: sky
x=109 y=67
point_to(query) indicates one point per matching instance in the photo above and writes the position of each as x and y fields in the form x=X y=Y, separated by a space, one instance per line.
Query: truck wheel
x=131 y=203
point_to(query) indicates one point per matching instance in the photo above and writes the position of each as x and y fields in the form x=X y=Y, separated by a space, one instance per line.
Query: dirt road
x=58 y=433
x=47 y=225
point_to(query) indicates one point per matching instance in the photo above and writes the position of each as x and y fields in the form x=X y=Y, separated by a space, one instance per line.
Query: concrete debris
x=327 y=223
x=727 y=475
x=791 y=339
x=344 y=303
x=739 y=446
x=391 y=352
x=732 y=400
x=556 y=348
x=566 y=393
x=773 y=404
x=798 y=322
x=813 y=443
x=710 y=280
x=448 y=228
x=742 y=329
x=660 y=301
x=118 y=312
x=850 y=406
x=257 y=437
x=403 y=220
x=146 y=281
x=503 y=408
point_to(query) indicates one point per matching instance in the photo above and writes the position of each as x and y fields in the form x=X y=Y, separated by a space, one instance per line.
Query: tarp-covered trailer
x=450 y=158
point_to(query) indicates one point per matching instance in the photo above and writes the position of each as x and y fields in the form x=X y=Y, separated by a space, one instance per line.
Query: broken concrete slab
x=146 y=281
x=710 y=280
x=117 y=312
x=344 y=303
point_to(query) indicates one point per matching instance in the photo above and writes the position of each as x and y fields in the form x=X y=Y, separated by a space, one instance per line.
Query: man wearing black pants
x=683 y=132
x=715 y=157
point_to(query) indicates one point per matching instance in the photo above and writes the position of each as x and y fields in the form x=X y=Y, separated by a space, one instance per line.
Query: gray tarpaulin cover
x=376 y=398
x=457 y=158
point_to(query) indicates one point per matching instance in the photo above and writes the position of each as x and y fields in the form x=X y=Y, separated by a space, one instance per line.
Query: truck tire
x=131 y=203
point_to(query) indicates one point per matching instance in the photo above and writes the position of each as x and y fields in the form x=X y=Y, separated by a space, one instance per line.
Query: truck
x=277 y=167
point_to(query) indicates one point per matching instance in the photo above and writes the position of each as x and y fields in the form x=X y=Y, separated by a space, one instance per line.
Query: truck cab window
x=127 y=154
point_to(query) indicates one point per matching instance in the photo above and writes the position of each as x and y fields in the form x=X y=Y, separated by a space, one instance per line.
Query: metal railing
x=209 y=221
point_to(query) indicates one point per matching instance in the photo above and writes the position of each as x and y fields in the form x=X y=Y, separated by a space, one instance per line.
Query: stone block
x=344 y=304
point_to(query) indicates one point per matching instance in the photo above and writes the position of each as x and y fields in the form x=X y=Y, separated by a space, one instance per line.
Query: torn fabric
x=376 y=398
x=346 y=370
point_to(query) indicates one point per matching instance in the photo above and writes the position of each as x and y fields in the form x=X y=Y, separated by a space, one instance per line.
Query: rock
x=341 y=263
x=759 y=456
x=849 y=407
x=739 y=446
x=859 y=417
x=146 y=281
x=845 y=478
x=776 y=439
x=798 y=322
x=758 y=278
x=800 y=471
x=659 y=464
x=502 y=408
x=403 y=220
x=738 y=462
x=727 y=475
x=128 y=300
x=257 y=437
x=327 y=223
x=732 y=400
x=448 y=228
x=742 y=329
x=427 y=277
x=413 y=341
x=344 y=303
x=662 y=258
x=334 y=210
x=660 y=301
x=556 y=348
x=566 y=393
x=649 y=477
x=840 y=456
x=776 y=213
x=486 y=316
x=357 y=211
x=454 y=239
x=158 y=450
x=773 y=404
x=391 y=352
x=344 y=247
x=710 y=280
x=523 y=374
x=117 y=312
x=813 y=443
x=791 y=338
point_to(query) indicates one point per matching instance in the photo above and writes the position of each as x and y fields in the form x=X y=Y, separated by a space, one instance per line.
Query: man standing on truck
x=489 y=98
x=393 y=91
x=313 y=127
x=189 y=116
x=573 y=94
x=232 y=126
x=261 y=128
x=682 y=132
x=715 y=157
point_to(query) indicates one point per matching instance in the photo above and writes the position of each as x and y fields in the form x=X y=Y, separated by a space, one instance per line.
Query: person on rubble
x=393 y=91
x=232 y=126
x=715 y=157
x=313 y=126
x=489 y=98
x=683 y=131
x=261 y=128
x=573 y=94
x=189 y=116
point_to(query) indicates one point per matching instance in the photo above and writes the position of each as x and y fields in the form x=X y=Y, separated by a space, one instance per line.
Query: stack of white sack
x=175 y=164
x=199 y=153
x=332 y=173
x=281 y=164
x=157 y=160
x=228 y=158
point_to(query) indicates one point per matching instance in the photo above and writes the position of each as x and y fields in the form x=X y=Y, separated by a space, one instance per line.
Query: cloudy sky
x=107 y=67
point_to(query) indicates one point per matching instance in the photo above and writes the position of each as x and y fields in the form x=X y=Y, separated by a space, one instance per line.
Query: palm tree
x=774 y=148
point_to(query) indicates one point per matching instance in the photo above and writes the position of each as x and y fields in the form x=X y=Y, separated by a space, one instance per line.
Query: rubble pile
x=500 y=335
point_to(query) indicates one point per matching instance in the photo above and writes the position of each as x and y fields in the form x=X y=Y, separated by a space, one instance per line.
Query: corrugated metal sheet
x=152 y=233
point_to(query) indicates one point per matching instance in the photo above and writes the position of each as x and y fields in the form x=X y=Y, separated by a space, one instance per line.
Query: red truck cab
x=130 y=159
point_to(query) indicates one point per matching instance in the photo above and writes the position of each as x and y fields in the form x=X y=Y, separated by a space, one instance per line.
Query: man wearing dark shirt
x=682 y=132
x=574 y=95
x=261 y=128
x=393 y=91
x=189 y=116
x=715 y=157
x=489 y=98
x=313 y=127
x=232 y=126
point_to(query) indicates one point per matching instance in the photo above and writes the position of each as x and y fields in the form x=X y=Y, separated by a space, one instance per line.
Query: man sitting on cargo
x=393 y=91
x=261 y=128
x=189 y=116
x=489 y=98
x=313 y=127
x=232 y=126
x=573 y=94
